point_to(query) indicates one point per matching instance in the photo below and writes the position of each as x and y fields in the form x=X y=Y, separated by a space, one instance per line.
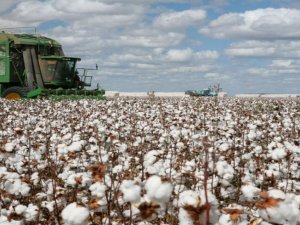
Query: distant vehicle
x=205 y=92
x=190 y=92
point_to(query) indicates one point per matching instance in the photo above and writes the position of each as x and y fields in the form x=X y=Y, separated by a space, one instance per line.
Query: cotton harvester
x=32 y=65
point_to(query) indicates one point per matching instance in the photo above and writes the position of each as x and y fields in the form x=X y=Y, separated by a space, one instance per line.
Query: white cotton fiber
x=74 y=214
x=131 y=191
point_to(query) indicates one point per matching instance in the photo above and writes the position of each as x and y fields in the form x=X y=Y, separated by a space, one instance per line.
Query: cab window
x=2 y=60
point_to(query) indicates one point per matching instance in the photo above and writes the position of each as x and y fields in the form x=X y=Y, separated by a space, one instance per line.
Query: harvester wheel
x=15 y=93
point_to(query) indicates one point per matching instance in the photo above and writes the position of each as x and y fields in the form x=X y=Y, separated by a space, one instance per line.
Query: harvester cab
x=33 y=65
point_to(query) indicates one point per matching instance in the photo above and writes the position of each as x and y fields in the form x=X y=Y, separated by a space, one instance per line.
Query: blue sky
x=249 y=46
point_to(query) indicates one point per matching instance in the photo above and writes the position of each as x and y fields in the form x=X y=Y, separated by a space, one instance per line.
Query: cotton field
x=186 y=161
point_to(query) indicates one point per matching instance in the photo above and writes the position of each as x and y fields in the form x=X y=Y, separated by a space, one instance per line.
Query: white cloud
x=281 y=68
x=268 y=24
x=267 y=49
x=184 y=55
x=175 y=55
x=4 y=23
x=207 y=55
x=6 y=5
x=34 y=12
x=216 y=76
x=88 y=6
x=182 y=19
x=147 y=40
x=282 y=63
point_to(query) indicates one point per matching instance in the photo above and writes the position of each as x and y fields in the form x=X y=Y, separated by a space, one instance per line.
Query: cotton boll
x=196 y=137
x=249 y=191
x=252 y=135
x=48 y=205
x=123 y=148
x=31 y=212
x=178 y=188
x=277 y=194
x=213 y=212
x=134 y=212
x=80 y=179
x=67 y=137
x=188 y=197
x=184 y=218
x=20 y=209
x=150 y=158
x=9 y=147
x=152 y=165
x=131 y=191
x=281 y=209
x=35 y=178
x=161 y=140
x=117 y=169
x=163 y=192
x=152 y=184
x=62 y=149
x=277 y=139
x=74 y=214
x=5 y=221
x=175 y=134
x=16 y=186
x=24 y=189
x=224 y=147
x=225 y=220
x=189 y=166
x=258 y=150
x=144 y=223
x=156 y=168
x=76 y=138
x=196 y=200
x=179 y=145
x=157 y=190
x=292 y=148
x=278 y=153
x=247 y=156
x=98 y=189
x=224 y=169
x=76 y=146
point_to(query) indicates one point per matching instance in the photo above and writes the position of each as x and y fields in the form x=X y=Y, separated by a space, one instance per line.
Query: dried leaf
x=93 y=203
x=234 y=214
x=19 y=131
x=268 y=202
x=62 y=158
x=72 y=155
x=195 y=212
x=14 y=216
x=255 y=222
x=98 y=171
x=78 y=180
x=147 y=209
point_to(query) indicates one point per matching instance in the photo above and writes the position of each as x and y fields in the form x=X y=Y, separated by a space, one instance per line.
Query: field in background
x=182 y=94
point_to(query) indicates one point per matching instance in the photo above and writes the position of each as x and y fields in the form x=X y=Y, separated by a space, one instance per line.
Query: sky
x=246 y=46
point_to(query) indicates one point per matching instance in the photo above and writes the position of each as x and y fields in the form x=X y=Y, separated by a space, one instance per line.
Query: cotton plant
x=131 y=191
x=152 y=162
x=74 y=214
x=225 y=171
x=233 y=214
x=249 y=192
x=153 y=203
x=279 y=207
x=193 y=207
x=102 y=153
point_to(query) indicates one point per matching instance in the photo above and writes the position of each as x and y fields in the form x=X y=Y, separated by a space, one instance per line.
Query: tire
x=15 y=93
